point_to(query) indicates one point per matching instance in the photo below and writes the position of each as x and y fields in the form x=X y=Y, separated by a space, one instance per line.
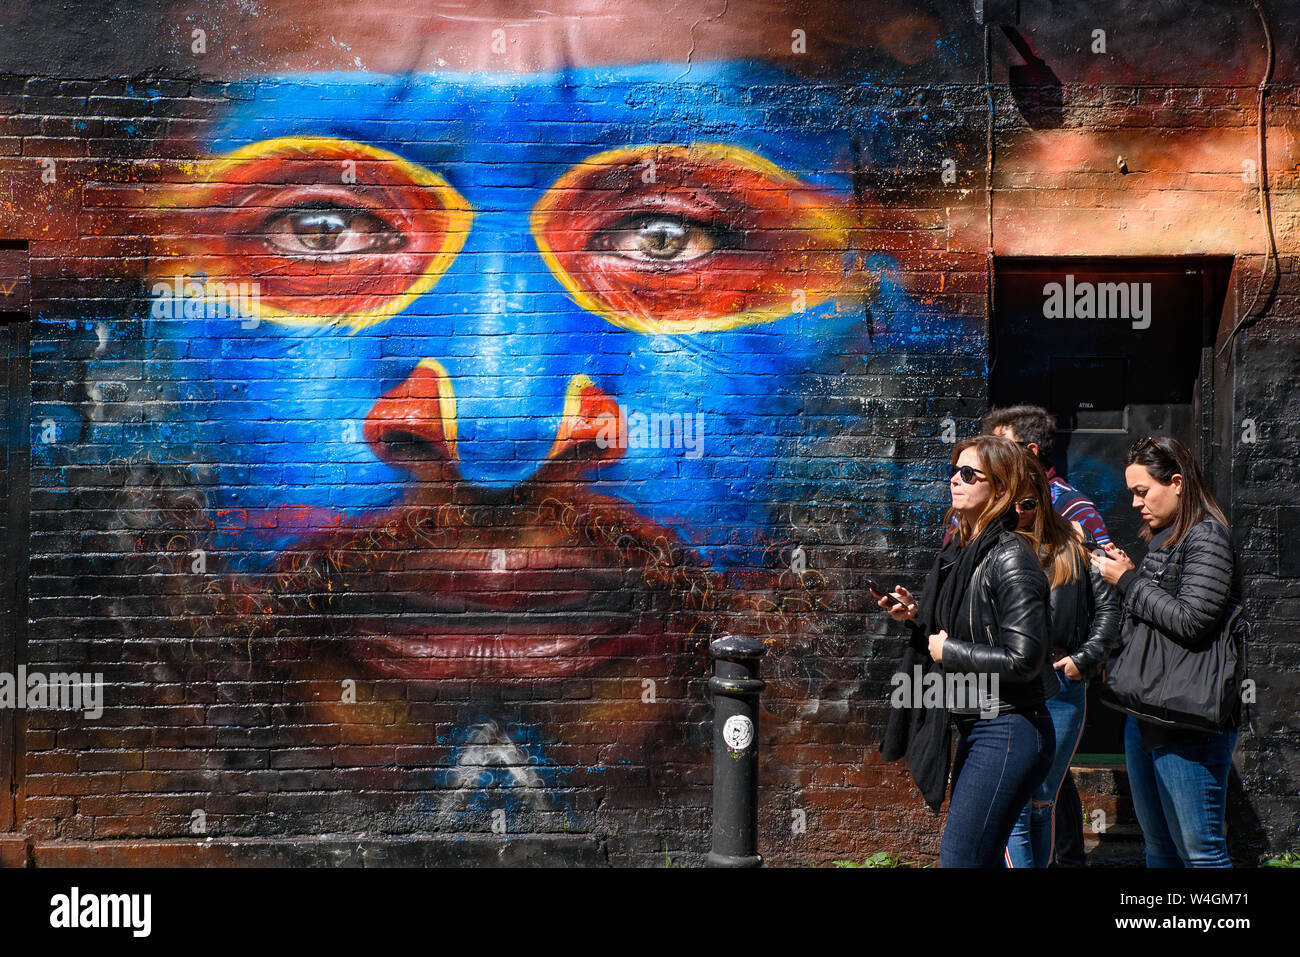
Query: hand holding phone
x=877 y=590
x=1113 y=564
x=899 y=603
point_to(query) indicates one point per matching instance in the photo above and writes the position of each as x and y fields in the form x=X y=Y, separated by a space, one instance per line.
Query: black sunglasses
x=1028 y=504
x=967 y=473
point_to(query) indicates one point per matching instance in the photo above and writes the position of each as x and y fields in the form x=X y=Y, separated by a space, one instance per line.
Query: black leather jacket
x=1002 y=627
x=1086 y=630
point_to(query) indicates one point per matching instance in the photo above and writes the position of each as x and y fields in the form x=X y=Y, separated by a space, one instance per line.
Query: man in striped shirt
x=1034 y=428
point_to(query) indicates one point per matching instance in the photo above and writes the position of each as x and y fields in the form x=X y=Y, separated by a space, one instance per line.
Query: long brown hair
x=1003 y=465
x=1059 y=549
x=1164 y=457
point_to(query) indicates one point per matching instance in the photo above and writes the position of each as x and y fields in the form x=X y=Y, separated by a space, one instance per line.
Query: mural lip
x=425 y=655
x=443 y=591
x=503 y=587
x=531 y=631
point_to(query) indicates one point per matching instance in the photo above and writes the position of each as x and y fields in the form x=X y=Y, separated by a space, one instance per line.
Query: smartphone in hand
x=876 y=589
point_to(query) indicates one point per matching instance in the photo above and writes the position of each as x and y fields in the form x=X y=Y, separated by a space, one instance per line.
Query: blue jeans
x=999 y=763
x=1034 y=833
x=1180 y=796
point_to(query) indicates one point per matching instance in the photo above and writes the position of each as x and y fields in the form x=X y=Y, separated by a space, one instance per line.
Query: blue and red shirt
x=1073 y=506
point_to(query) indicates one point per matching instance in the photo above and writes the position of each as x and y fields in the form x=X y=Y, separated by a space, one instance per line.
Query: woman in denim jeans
x=1085 y=615
x=1179 y=777
x=983 y=616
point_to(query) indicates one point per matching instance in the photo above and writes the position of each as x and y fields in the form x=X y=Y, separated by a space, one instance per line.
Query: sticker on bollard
x=738 y=732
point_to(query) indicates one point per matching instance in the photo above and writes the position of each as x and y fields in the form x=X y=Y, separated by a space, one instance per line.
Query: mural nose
x=591 y=426
x=413 y=427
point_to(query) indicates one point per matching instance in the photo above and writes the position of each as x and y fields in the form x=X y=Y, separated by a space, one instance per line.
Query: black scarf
x=951 y=573
x=924 y=735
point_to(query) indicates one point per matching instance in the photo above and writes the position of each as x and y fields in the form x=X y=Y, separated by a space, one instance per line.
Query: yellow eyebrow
x=458 y=211
x=821 y=219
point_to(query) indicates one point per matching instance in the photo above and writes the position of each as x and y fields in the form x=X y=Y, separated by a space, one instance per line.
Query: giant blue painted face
x=565 y=295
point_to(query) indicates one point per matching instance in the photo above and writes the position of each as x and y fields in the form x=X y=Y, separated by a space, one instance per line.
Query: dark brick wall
x=217 y=532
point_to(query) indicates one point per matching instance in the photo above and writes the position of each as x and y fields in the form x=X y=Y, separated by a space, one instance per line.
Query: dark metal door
x=1115 y=349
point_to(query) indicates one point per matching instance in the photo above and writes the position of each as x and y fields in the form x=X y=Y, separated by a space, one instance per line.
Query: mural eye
x=326 y=229
x=657 y=238
x=321 y=252
x=718 y=238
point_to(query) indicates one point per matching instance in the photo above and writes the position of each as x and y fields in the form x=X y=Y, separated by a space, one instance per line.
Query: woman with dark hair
x=983 y=615
x=1084 y=629
x=1182 y=589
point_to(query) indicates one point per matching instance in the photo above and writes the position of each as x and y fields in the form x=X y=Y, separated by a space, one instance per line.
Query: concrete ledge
x=461 y=850
x=15 y=850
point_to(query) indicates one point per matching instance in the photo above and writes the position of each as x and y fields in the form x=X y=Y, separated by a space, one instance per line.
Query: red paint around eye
x=771 y=234
x=239 y=227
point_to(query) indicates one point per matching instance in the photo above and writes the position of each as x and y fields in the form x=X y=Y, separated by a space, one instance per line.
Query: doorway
x=1115 y=349
x=15 y=394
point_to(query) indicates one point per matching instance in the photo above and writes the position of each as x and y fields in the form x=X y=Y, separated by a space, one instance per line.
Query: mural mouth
x=494 y=614
x=486 y=648
x=542 y=586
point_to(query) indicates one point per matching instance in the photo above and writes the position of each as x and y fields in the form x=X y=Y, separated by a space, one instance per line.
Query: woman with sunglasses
x=983 y=611
x=1084 y=623
x=1179 y=776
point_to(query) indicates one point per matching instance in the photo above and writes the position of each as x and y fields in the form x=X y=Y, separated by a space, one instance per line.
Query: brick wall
x=384 y=563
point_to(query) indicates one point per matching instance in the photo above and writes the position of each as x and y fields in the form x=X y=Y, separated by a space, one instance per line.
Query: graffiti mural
x=431 y=383
x=458 y=411
x=509 y=406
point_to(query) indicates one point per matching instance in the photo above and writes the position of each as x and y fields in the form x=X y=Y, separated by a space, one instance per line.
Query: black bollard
x=735 y=686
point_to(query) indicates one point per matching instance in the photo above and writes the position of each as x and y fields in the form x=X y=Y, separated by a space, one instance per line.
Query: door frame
x=15 y=499
x=1213 y=396
x=15 y=391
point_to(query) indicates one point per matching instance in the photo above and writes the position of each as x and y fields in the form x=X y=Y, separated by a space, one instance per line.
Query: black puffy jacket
x=1002 y=627
x=1085 y=618
x=1197 y=580
x=1183 y=591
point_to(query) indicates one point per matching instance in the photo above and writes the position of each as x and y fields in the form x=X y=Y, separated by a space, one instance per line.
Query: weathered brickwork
x=413 y=397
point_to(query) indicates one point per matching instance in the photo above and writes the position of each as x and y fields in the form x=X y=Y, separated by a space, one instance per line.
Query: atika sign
x=1098 y=300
